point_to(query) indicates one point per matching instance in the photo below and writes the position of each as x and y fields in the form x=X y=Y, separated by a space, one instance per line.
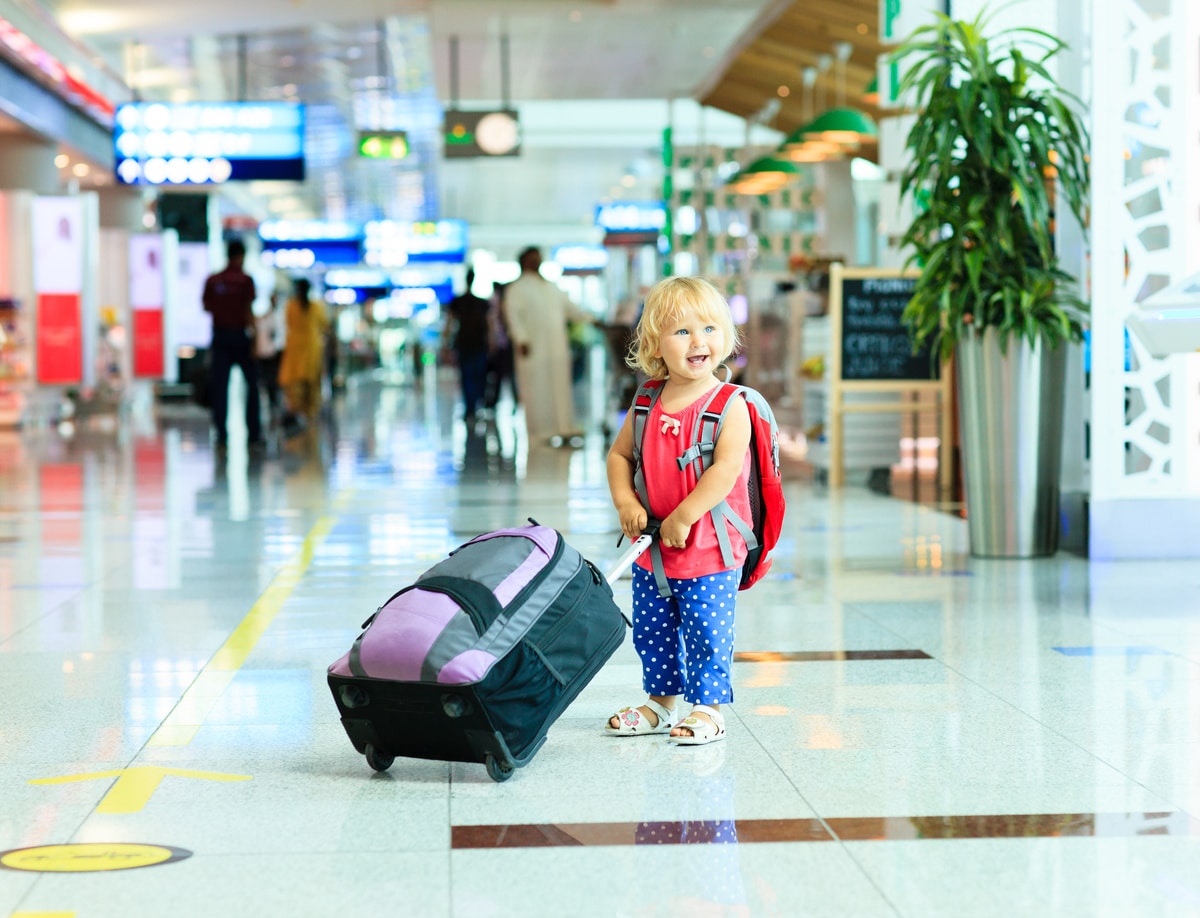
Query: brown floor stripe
x=810 y=656
x=886 y=828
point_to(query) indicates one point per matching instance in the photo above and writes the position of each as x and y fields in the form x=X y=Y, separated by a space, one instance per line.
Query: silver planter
x=1010 y=407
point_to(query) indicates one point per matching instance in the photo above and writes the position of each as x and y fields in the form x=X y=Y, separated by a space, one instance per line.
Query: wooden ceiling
x=791 y=36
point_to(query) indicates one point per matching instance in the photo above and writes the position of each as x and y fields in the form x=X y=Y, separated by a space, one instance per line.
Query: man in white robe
x=537 y=313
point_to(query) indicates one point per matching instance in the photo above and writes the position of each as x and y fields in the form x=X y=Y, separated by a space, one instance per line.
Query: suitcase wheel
x=379 y=761
x=496 y=769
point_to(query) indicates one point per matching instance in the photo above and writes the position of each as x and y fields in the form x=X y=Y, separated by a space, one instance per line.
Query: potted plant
x=996 y=148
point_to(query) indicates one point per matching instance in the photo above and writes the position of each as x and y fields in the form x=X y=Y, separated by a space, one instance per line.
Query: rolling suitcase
x=476 y=660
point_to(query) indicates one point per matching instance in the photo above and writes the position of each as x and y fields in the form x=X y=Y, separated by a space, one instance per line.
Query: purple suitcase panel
x=469 y=666
x=403 y=633
x=520 y=577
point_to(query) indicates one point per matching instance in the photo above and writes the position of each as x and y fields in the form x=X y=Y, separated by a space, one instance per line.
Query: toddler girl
x=685 y=639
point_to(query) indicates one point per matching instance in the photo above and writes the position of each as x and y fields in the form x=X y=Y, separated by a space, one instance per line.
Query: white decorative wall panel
x=1142 y=104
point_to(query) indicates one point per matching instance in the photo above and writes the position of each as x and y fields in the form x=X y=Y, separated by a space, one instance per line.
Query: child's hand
x=674 y=532
x=633 y=520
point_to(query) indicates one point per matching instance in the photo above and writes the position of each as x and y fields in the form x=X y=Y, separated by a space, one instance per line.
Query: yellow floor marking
x=181 y=725
x=43 y=915
x=135 y=786
x=89 y=857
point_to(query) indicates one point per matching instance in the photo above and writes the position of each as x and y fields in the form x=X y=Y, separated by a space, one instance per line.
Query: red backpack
x=761 y=533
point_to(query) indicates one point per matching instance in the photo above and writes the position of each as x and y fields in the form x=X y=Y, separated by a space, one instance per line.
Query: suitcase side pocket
x=569 y=647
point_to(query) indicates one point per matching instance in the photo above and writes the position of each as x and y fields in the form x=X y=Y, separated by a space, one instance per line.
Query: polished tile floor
x=916 y=733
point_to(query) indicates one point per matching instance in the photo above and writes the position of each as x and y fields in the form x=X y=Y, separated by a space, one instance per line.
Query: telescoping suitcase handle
x=649 y=534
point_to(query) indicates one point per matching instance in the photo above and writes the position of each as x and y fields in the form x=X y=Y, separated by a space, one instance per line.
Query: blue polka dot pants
x=686 y=641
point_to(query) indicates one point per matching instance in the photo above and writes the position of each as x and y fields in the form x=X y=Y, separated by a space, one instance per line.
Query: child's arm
x=718 y=479
x=620 y=481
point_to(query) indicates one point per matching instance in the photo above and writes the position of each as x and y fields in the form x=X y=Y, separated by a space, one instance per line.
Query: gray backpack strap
x=643 y=403
x=704 y=439
x=723 y=511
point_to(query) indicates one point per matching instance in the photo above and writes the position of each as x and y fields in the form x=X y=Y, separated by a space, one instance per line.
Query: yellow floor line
x=181 y=725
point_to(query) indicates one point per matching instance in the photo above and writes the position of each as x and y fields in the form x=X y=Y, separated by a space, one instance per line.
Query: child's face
x=691 y=346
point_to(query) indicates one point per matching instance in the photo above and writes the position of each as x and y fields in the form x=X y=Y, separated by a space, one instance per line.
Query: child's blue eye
x=682 y=331
x=709 y=329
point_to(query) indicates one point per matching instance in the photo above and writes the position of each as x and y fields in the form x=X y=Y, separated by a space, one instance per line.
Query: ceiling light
x=81 y=169
x=62 y=160
x=807 y=155
x=784 y=92
x=863 y=28
x=841 y=125
x=764 y=175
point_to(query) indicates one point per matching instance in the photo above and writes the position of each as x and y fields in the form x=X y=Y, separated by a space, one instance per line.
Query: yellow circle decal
x=89 y=858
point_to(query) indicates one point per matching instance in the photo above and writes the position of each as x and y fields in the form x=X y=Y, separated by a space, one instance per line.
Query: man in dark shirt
x=467 y=329
x=229 y=297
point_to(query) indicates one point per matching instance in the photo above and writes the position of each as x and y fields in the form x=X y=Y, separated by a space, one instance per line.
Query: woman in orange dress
x=303 y=352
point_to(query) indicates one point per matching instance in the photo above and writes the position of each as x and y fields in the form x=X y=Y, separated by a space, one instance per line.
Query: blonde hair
x=666 y=303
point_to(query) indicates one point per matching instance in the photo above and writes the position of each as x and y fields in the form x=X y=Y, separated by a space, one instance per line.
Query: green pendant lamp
x=841 y=126
x=766 y=174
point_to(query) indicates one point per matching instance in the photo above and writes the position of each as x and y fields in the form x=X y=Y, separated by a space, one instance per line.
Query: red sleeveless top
x=667 y=486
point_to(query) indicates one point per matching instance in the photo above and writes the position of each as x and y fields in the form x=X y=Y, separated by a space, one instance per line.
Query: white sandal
x=703 y=731
x=634 y=723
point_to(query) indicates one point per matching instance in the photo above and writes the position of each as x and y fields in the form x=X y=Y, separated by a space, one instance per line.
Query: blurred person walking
x=268 y=345
x=303 y=359
x=469 y=335
x=537 y=313
x=500 y=359
x=229 y=298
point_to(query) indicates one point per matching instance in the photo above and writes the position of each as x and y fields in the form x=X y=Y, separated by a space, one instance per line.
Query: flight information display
x=208 y=143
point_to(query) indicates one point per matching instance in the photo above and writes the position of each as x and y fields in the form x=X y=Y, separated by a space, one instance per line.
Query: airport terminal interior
x=916 y=730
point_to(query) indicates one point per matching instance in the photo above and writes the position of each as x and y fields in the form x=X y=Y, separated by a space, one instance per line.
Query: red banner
x=148 y=343
x=59 y=339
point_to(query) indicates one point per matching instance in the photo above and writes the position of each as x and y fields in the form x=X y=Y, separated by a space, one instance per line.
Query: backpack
x=761 y=533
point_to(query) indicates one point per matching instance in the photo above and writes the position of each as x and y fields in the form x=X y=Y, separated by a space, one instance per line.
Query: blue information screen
x=208 y=143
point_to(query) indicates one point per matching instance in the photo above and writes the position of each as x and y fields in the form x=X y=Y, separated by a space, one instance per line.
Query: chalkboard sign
x=875 y=343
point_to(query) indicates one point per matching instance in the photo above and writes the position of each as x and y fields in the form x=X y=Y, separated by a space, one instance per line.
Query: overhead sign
x=383 y=144
x=631 y=216
x=208 y=143
x=298 y=244
x=485 y=133
x=580 y=259
x=631 y=222
x=392 y=244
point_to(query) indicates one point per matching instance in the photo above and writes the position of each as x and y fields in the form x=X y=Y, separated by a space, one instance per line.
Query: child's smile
x=691 y=346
